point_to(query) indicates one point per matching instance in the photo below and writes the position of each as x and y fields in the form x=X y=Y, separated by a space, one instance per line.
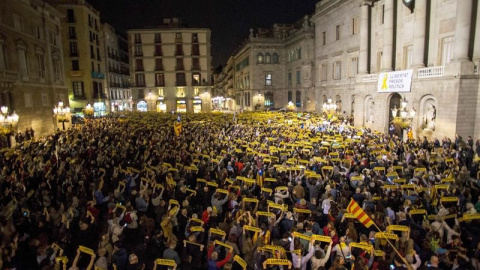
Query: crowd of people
x=243 y=191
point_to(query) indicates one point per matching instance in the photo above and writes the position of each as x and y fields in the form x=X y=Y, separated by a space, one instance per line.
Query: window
x=247 y=99
x=382 y=14
x=195 y=63
x=323 y=72
x=268 y=99
x=268 y=58
x=179 y=49
x=18 y=22
x=195 y=49
x=275 y=58
x=196 y=79
x=70 y=16
x=447 y=50
x=75 y=65
x=297 y=77
x=268 y=79
x=337 y=70
x=140 y=80
x=337 y=32
x=139 y=64
x=196 y=91
x=78 y=89
x=92 y=52
x=379 y=61
x=160 y=92
x=180 y=79
x=324 y=38
x=138 y=50
x=194 y=37
x=355 y=26
x=290 y=96
x=40 y=65
x=179 y=64
x=178 y=35
x=72 y=33
x=23 y=64
x=56 y=68
x=158 y=64
x=289 y=78
x=93 y=66
x=260 y=58
x=3 y=59
x=45 y=102
x=73 y=49
x=138 y=38
x=98 y=55
x=298 y=99
x=158 y=50
x=159 y=79
x=408 y=56
x=158 y=38
x=28 y=97
x=353 y=66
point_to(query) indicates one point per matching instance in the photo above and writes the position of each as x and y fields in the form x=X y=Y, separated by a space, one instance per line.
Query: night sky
x=229 y=20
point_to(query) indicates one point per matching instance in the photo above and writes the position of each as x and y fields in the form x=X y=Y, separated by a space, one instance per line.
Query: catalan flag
x=177 y=126
x=359 y=214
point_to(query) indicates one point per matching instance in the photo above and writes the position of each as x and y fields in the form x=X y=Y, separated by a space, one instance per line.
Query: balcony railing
x=370 y=78
x=431 y=72
x=98 y=75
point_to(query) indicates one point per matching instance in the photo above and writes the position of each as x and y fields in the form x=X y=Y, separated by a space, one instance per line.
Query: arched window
x=268 y=58
x=298 y=98
x=268 y=99
x=275 y=58
x=260 y=58
x=290 y=96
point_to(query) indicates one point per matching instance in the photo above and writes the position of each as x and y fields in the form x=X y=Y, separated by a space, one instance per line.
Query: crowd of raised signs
x=243 y=191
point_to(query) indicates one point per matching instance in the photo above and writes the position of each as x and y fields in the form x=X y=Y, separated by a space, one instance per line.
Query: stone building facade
x=31 y=63
x=435 y=45
x=117 y=69
x=170 y=68
x=84 y=55
x=272 y=68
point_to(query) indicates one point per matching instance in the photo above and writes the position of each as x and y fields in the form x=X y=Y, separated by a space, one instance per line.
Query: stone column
x=363 y=57
x=419 y=33
x=462 y=30
x=387 y=36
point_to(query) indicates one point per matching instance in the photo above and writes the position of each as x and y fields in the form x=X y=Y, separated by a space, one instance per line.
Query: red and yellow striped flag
x=359 y=214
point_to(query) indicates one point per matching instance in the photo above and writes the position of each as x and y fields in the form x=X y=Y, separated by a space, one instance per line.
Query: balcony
x=370 y=78
x=180 y=83
x=431 y=72
x=75 y=73
x=79 y=97
x=98 y=75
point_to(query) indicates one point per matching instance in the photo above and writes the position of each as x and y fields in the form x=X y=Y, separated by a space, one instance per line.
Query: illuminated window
x=268 y=79
x=181 y=92
x=260 y=58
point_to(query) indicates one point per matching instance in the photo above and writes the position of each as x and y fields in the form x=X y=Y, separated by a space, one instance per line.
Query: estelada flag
x=359 y=214
x=177 y=128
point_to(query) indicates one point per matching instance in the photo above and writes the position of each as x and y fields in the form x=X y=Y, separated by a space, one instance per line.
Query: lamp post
x=8 y=122
x=88 y=111
x=403 y=117
x=62 y=114
x=329 y=108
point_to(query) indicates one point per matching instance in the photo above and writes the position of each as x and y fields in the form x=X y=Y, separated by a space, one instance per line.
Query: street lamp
x=403 y=117
x=8 y=122
x=329 y=107
x=88 y=110
x=61 y=114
